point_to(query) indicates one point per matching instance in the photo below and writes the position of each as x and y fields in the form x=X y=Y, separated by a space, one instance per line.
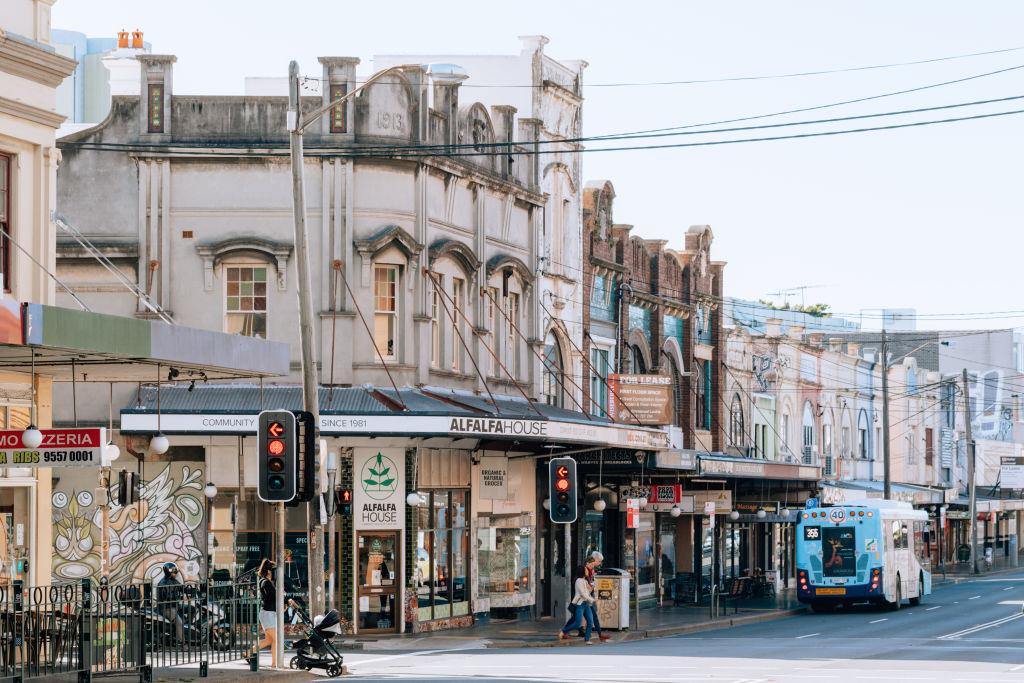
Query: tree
x=816 y=310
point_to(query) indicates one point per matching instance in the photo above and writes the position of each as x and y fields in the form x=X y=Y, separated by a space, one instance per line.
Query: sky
x=926 y=217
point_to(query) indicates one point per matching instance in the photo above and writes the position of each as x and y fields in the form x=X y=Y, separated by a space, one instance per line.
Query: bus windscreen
x=839 y=550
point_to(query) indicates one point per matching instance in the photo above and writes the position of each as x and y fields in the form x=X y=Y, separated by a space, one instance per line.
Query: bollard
x=85 y=635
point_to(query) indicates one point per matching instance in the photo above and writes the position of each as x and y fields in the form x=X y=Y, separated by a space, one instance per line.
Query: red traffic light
x=275 y=447
x=562 y=471
x=562 y=484
x=275 y=429
x=346 y=496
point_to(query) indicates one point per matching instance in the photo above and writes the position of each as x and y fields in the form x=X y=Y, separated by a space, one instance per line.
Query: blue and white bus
x=868 y=550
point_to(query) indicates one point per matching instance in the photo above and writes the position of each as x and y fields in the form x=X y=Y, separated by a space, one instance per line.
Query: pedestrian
x=594 y=561
x=170 y=591
x=581 y=605
x=268 y=609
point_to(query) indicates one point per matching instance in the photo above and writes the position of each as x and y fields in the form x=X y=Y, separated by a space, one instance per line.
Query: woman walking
x=268 y=609
x=582 y=607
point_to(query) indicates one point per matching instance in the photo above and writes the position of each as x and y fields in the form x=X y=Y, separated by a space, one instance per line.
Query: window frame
x=599 y=361
x=435 y=320
x=393 y=313
x=6 y=203
x=226 y=267
x=459 y=303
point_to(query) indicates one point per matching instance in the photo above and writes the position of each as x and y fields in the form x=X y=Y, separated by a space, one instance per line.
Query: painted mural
x=164 y=526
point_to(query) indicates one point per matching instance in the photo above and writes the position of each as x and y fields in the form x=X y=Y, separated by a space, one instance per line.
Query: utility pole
x=972 y=530
x=886 y=465
x=310 y=385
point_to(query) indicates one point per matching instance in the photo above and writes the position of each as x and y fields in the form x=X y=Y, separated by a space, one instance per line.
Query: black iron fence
x=93 y=630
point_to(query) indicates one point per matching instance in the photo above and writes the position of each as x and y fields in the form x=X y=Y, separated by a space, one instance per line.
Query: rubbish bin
x=613 y=598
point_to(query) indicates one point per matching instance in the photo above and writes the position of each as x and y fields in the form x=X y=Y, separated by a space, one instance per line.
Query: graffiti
x=163 y=526
x=761 y=365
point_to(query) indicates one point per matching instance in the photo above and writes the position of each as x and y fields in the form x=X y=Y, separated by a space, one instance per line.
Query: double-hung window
x=492 y=327
x=5 y=219
x=459 y=297
x=435 y=322
x=385 y=310
x=246 y=308
x=512 y=353
x=599 y=382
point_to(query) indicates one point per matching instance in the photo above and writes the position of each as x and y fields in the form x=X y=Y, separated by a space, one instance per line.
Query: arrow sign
x=275 y=429
x=562 y=471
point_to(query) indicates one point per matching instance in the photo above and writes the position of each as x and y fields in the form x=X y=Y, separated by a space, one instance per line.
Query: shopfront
x=447 y=524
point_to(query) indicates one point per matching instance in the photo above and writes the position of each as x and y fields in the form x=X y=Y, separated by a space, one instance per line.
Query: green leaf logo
x=376 y=482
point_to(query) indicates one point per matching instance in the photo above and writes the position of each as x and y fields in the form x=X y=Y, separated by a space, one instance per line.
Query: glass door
x=377 y=577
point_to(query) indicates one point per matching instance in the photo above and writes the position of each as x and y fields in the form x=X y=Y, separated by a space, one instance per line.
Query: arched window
x=702 y=417
x=863 y=435
x=636 y=360
x=553 y=372
x=807 y=442
x=736 y=432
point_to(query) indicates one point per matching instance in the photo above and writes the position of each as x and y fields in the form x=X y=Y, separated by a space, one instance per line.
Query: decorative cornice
x=502 y=261
x=34 y=62
x=456 y=250
x=21 y=110
x=393 y=233
x=214 y=252
x=603 y=264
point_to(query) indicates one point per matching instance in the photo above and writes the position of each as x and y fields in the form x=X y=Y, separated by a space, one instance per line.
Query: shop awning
x=750 y=468
x=835 y=492
x=375 y=411
x=110 y=348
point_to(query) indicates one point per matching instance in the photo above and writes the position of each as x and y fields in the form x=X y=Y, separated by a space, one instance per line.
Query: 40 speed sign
x=60 y=448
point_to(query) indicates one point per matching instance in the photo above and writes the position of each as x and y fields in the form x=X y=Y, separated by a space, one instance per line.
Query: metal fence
x=93 y=630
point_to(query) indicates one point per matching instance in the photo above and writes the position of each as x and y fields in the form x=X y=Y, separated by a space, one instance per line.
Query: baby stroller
x=314 y=650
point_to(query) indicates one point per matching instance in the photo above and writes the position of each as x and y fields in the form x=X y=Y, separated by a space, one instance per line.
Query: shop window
x=5 y=220
x=385 y=310
x=246 y=300
x=442 y=545
x=503 y=557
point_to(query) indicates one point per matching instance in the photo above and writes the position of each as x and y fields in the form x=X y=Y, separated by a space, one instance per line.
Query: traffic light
x=276 y=455
x=345 y=502
x=562 y=490
x=128 y=488
x=308 y=458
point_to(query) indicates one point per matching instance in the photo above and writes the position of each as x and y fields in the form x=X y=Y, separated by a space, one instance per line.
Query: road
x=968 y=632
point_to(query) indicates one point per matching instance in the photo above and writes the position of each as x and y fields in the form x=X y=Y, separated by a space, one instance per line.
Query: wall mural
x=171 y=514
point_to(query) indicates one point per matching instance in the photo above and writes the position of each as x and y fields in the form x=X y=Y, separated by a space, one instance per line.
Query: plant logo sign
x=379 y=490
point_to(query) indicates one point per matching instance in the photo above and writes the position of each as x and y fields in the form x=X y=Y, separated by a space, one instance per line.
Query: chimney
x=835 y=344
x=853 y=349
x=123 y=65
x=122 y=38
x=157 y=90
x=817 y=339
x=796 y=332
x=136 y=39
x=339 y=79
x=773 y=327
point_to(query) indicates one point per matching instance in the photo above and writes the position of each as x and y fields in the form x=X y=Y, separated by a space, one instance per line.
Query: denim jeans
x=580 y=613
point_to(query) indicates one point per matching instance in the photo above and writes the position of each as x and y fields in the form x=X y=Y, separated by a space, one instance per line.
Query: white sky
x=927 y=217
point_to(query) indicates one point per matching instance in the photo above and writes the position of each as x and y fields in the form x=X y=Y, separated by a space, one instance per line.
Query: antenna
x=785 y=293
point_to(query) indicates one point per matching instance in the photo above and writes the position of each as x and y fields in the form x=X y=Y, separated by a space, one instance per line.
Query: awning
x=375 y=411
x=110 y=348
x=835 y=492
x=751 y=468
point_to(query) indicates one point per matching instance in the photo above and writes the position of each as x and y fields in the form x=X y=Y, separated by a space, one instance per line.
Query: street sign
x=60 y=448
x=811 y=503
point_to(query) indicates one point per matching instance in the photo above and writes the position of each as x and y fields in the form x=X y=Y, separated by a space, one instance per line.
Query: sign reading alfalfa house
x=379 y=488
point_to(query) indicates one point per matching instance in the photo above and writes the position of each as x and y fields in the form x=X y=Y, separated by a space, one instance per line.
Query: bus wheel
x=895 y=605
x=920 y=591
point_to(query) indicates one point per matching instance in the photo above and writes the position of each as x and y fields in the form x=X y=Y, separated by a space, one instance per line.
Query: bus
x=869 y=550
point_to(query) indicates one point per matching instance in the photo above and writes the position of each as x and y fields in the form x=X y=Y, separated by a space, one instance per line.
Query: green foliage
x=816 y=310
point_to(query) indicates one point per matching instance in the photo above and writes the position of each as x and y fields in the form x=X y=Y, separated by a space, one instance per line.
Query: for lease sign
x=60 y=448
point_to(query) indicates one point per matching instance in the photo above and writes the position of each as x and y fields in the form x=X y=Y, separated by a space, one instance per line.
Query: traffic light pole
x=310 y=386
x=279 y=583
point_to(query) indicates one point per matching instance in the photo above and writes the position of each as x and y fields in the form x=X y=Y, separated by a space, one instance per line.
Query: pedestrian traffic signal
x=276 y=455
x=562 y=490
x=345 y=502
x=129 y=488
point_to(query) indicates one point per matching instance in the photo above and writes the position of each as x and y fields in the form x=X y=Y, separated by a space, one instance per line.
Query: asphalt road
x=968 y=632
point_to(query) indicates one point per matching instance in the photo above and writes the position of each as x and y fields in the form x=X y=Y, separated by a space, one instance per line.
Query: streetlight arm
x=304 y=122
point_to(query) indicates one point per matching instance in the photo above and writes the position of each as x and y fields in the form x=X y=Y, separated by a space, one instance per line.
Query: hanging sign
x=493 y=478
x=633 y=513
x=60 y=448
x=379 y=491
